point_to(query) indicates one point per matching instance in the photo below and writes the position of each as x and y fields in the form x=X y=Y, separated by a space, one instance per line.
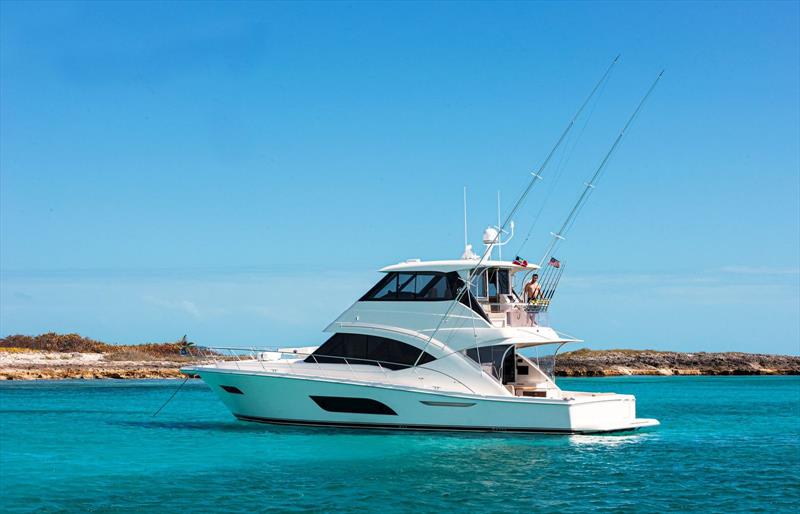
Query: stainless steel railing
x=217 y=355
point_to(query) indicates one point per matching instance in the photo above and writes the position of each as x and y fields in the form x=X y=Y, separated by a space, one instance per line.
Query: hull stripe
x=446 y=404
x=417 y=428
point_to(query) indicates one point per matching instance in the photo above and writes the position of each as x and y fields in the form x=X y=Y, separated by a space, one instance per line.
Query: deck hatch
x=352 y=405
x=232 y=389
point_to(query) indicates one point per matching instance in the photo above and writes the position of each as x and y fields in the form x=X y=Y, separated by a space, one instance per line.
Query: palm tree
x=185 y=345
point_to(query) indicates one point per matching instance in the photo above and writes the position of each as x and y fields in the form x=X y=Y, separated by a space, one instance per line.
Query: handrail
x=255 y=356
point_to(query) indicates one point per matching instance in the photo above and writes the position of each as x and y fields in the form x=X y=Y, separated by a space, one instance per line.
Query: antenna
x=535 y=177
x=500 y=249
x=559 y=236
x=465 y=217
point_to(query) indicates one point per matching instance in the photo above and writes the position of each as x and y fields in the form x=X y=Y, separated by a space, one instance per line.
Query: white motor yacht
x=396 y=359
x=436 y=345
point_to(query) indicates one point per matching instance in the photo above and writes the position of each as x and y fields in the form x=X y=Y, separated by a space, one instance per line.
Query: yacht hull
x=292 y=400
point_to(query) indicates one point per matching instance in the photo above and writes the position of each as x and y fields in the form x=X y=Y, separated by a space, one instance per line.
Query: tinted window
x=503 y=282
x=494 y=356
x=406 y=286
x=421 y=286
x=354 y=405
x=479 y=285
x=386 y=289
x=498 y=282
x=364 y=349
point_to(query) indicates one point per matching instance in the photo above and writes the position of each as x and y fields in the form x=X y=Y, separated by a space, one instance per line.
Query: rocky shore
x=39 y=365
x=603 y=363
x=53 y=356
x=43 y=365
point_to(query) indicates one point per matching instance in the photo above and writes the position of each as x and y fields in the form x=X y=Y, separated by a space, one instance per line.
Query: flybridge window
x=370 y=350
x=422 y=286
x=418 y=286
x=490 y=282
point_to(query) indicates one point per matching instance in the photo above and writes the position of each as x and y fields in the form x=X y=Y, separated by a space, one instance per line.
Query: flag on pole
x=554 y=262
x=520 y=262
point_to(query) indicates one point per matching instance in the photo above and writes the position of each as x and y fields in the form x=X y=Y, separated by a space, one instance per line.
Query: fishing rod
x=559 y=236
x=535 y=177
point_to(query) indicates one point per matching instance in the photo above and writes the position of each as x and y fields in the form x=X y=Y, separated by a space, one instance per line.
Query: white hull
x=285 y=399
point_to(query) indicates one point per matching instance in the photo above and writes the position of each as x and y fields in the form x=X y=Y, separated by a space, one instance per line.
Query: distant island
x=54 y=356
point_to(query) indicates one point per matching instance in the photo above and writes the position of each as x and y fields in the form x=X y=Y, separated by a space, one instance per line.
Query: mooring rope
x=171 y=397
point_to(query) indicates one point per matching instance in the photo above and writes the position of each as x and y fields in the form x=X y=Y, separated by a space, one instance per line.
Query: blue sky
x=239 y=171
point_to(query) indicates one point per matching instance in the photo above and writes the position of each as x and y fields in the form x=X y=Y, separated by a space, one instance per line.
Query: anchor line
x=171 y=397
x=535 y=177
x=590 y=185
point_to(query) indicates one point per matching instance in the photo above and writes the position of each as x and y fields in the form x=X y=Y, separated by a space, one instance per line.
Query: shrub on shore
x=53 y=342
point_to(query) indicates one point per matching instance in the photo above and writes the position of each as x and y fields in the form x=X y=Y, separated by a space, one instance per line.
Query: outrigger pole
x=535 y=177
x=560 y=235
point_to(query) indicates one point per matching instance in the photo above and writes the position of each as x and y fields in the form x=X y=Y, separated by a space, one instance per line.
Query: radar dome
x=490 y=236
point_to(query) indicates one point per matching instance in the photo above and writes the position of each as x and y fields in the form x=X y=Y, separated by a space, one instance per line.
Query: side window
x=421 y=286
x=385 y=289
x=503 y=282
x=368 y=350
x=494 y=357
x=439 y=289
x=498 y=282
x=478 y=287
x=492 y=284
x=424 y=283
x=406 y=286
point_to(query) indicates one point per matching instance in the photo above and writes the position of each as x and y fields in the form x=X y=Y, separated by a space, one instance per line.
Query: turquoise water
x=725 y=444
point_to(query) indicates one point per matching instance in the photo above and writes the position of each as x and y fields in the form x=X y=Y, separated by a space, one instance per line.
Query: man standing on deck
x=532 y=289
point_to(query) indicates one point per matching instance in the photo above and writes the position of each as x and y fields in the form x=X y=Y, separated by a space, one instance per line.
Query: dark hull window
x=365 y=349
x=353 y=405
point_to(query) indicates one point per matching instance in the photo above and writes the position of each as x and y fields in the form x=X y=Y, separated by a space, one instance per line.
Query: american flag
x=554 y=262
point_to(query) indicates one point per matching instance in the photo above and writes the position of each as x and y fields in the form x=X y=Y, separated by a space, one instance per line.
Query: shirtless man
x=532 y=289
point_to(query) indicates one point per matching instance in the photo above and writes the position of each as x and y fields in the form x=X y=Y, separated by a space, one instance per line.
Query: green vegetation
x=53 y=342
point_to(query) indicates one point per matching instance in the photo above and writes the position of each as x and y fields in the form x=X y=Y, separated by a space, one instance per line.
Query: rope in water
x=171 y=397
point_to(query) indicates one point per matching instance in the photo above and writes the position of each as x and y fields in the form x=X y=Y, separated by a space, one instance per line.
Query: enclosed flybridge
x=437 y=345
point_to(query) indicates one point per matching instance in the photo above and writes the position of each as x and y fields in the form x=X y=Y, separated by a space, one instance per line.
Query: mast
x=559 y=236
x=535 y=177
x=499 y=247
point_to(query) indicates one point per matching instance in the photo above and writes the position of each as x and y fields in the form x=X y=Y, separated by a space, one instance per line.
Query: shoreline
x=28 y=364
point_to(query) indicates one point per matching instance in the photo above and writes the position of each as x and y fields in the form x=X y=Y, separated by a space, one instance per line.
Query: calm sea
x=725 y=444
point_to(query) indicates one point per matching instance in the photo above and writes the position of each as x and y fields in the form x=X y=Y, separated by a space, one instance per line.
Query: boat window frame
x=451 y=283
x=368 y=342
x=497 y=360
